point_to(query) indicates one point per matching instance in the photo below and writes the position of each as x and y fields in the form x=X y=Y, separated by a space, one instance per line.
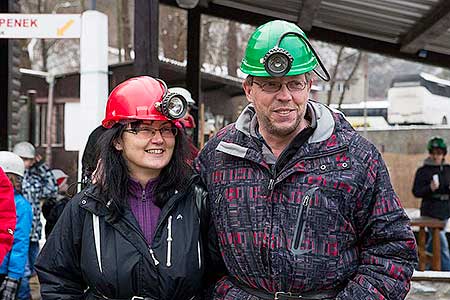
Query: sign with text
x=48 y=26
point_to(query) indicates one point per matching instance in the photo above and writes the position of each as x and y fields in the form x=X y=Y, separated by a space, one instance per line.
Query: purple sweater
x=142 y=205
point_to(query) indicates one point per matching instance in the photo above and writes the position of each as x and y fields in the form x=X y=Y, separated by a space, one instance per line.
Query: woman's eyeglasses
x=275 y=86
x=150 y=132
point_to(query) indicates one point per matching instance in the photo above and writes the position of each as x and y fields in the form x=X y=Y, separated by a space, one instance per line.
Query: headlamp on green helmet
x=280 y=48
x=437 y=143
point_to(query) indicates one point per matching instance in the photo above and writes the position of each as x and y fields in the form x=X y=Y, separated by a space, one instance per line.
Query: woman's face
x=147 y=148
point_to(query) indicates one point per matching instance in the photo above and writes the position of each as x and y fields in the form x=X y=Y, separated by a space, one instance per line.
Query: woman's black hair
x=113 y=175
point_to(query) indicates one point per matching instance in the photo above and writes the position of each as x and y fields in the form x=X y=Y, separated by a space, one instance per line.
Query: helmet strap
x=325 y=77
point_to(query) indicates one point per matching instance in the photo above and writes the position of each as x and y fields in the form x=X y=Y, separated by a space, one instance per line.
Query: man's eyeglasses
x=150 y=132
x=275 y=86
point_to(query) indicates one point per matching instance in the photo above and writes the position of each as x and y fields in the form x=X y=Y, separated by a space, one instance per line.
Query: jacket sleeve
x=421 y=186
x=387 y=245
x=58 y=265
x=49 y=187
x=19 y=251
x=214 y=265
x=7 y=215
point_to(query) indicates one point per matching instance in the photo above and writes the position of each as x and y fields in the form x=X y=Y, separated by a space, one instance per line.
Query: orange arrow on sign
x=60 y=31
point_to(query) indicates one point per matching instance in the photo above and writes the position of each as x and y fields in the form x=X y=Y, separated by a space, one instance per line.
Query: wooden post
x=146 y=35
x=421 y=250
x=436 y=262
x=201 y=126
x=193 y=82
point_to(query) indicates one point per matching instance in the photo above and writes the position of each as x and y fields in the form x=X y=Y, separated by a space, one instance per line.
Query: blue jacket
x=14 y=262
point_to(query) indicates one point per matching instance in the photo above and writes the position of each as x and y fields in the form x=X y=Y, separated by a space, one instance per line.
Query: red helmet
x=143 y=98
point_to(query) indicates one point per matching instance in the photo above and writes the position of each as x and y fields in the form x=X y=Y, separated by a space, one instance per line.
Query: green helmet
x=437 y=142
x=265 y=39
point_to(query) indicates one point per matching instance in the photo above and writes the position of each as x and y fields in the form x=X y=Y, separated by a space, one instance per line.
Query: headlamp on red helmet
x=173 y=105
x=143 y=98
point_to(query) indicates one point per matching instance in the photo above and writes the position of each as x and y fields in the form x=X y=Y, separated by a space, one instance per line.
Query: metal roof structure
x=417 y=30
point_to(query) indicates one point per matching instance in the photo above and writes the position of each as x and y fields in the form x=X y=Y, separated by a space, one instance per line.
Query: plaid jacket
x=38 y=183
x=328 y=218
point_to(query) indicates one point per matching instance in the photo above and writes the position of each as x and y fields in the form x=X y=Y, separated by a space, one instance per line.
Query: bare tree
x=334 y=74
x=349 y=78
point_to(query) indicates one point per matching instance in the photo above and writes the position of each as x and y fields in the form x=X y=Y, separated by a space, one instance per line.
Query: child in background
x=13 y=266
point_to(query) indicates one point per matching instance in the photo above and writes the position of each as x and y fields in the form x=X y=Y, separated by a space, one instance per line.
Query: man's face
x=28 y=162
x=279 y=112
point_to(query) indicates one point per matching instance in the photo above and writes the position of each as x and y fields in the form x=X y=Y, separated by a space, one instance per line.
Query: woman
x=12 y=269
x=135 y=233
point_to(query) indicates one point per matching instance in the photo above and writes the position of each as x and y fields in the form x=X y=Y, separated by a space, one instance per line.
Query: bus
x=419 y=99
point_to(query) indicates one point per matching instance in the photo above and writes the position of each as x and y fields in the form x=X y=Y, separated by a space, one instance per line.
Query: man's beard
x=280 y=130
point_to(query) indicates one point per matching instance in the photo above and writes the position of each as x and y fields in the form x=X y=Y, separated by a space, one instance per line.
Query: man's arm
x=421 y=186
x=48 y=181
x=387 y=245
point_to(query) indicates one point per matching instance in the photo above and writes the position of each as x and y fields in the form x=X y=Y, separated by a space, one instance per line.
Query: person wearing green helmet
x=432 y=184
x=302 y=204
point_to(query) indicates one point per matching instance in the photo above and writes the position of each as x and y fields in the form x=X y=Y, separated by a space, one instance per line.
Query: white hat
x=25 y=150
x=11 y=163
x=60 y=176
x=183 y=92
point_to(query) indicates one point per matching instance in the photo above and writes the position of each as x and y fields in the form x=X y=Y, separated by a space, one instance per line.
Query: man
x=431 y=183
x=38 y=185
x=302 y=204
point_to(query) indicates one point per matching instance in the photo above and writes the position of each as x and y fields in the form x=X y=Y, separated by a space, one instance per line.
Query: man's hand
x=9 y=288
x=434 y=186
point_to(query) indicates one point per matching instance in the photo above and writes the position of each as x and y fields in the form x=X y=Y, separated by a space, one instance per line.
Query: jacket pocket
x=301 y=222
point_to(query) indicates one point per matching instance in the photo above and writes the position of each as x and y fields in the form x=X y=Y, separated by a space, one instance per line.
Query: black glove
x=9 y=288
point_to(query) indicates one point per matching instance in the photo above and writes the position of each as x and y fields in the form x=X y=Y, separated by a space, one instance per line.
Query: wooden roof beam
x=307 y=13
x=427 y=29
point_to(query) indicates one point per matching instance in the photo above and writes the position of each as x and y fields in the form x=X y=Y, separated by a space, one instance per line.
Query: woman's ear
x=118 y=144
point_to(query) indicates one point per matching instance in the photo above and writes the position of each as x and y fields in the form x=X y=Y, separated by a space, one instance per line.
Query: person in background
x=52 y=212
x=90 y=156
x=135 y=233
x=12 y=269
x=7 y=215
x=432 y=184
x=302 y=204
x=38 y=186
x=188 y=121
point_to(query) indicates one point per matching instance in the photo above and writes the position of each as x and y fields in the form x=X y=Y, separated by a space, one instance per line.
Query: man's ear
x=248 y=91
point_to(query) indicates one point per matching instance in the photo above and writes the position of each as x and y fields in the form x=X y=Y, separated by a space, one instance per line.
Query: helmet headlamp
x=278 y=61
x=172 y=105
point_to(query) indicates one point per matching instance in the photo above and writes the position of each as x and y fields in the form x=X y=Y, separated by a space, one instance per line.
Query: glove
x=9 y=288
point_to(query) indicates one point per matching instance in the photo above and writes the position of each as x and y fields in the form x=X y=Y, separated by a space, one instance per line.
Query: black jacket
x=68 y=266
x=434 y=204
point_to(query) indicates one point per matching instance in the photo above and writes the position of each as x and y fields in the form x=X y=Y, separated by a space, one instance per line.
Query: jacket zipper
x=199 y=255
x=301 y=223
x=169 y=241
x=150 y=250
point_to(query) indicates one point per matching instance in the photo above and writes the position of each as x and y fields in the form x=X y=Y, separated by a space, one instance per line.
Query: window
x=40 y=139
